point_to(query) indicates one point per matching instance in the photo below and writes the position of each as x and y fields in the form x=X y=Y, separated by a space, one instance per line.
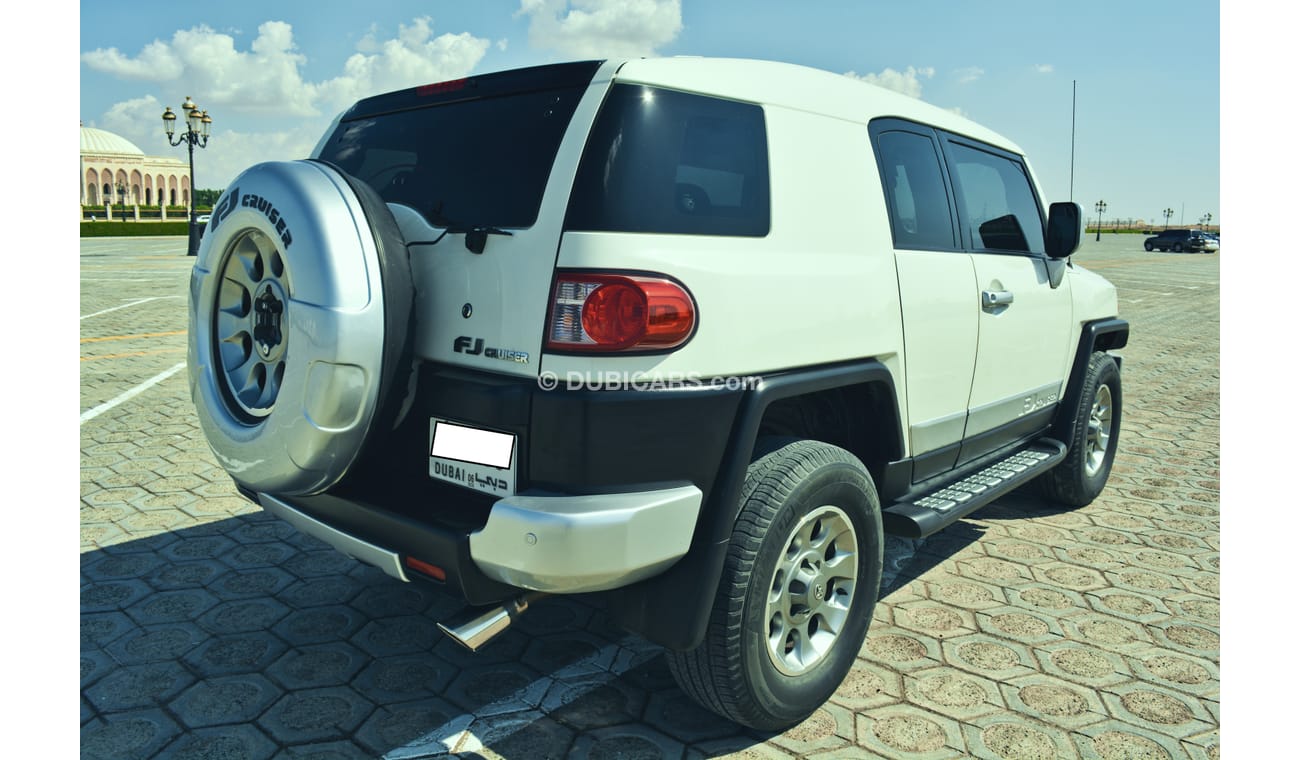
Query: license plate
x=483 y=460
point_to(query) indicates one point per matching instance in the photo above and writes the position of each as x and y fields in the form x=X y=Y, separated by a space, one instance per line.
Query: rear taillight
x=607 y=312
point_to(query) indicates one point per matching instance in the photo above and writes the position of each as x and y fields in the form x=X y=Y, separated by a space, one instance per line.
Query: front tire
x=1178 y=247
x=1148 y=246
x=798 y=589
x=1078 y=480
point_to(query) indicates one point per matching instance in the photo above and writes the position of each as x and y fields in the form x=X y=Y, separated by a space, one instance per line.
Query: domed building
x=115 y=172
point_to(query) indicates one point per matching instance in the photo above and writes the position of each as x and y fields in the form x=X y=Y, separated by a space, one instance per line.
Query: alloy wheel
x=249 y=325
x=811 y=590
x=1099 y=429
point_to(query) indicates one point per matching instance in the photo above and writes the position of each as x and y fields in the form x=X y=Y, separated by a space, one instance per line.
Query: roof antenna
x=1074 y=101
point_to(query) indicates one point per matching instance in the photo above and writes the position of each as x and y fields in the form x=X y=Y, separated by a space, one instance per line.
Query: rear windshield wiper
x=475 y=235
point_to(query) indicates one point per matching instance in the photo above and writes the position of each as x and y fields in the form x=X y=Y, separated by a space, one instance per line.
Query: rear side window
x=915 y=191
x=670 y=162
x=998 y=208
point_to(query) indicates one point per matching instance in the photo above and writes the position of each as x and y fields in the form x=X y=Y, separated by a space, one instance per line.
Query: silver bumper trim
x=576 y=544
x=352 y=546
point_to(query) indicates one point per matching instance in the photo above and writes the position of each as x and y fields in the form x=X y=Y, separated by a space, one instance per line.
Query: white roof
x=799 y=87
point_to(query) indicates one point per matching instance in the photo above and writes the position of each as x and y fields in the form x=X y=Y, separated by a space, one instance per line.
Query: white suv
x=689 y=335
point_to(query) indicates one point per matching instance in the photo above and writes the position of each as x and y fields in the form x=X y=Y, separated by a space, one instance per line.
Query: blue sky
x=272 y=75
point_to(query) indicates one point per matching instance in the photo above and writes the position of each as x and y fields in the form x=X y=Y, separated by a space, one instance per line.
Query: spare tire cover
x=300 y=303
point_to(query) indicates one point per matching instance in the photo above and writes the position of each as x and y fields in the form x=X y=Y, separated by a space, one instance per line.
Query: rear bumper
x=610 y=488
x=573 y=544
x=388 y=561
x=554 y=543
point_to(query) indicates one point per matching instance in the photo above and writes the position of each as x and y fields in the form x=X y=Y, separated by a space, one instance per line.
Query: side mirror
x=1064 y=229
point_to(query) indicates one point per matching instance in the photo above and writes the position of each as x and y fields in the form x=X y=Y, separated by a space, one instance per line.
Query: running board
x=937 y=510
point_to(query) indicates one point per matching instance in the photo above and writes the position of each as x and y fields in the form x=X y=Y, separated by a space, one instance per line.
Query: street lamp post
x=1168 y=212
x=197 y=126
x=121 y=198
x=1101 y=206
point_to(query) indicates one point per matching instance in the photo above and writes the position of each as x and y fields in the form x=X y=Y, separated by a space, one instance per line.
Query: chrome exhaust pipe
x=474 y=627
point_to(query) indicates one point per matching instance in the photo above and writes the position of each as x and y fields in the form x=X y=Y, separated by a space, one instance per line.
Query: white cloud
x=138 y=120
x=267 y=78
x=968 y=74
x=1044 y=68
x=206 y=63
x=156 y=63
x=602 y=28
x=230 y=152
x=907 y=81
x=414 y=57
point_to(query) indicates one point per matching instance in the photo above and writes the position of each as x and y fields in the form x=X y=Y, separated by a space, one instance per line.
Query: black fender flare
x=1098 y=335
x=690 y=585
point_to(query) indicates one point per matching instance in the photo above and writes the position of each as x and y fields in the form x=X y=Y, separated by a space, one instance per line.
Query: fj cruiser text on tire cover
x=638 y=327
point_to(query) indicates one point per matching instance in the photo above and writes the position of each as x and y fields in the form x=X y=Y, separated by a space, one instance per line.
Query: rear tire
x=1078 y=480
x=798 y=589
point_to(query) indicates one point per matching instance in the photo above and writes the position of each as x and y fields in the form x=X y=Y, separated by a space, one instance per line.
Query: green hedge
x=127 y=229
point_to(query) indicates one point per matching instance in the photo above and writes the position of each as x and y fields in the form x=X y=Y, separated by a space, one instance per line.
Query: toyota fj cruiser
x=690 y=335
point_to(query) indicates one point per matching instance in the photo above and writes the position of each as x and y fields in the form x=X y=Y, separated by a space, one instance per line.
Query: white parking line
x=133 y=303
x=91 y=414
x=529 y=703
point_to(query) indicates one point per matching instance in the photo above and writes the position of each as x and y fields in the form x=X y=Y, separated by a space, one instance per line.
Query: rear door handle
x=996 y=299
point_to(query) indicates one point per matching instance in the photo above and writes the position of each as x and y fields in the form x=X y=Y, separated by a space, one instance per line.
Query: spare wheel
x=300 y=340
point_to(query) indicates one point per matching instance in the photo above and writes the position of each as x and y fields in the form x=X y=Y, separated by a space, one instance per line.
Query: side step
x=937 y=510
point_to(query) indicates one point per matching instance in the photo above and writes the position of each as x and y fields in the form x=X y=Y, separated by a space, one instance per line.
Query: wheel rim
x=811 y=590
x=249 y=325
x=1099 y=428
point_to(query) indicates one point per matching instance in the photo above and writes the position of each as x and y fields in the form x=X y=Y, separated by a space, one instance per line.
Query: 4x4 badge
x=474 y=347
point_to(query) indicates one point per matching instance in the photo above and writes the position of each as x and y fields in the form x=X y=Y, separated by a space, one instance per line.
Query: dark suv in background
x=1182 y=240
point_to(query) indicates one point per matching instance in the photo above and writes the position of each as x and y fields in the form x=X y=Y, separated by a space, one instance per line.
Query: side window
x=914 y=190
x=671 y=162
x=999 y=211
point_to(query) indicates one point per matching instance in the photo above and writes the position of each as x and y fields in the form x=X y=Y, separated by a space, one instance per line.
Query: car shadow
x=246 y=632
x=247 y=635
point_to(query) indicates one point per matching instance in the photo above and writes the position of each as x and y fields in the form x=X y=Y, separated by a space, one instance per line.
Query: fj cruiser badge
x=229 y=200
x=272 y=214
x=474 y=347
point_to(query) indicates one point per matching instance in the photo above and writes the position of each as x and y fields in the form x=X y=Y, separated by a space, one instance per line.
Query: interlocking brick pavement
x=211 y=630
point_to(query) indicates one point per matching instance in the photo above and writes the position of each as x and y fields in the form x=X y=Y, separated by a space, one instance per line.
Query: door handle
x=996 y=299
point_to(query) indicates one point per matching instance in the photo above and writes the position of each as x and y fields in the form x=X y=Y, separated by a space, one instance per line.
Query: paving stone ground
x=209 y=630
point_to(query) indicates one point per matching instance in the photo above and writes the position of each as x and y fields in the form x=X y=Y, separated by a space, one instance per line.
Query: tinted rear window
x=484 y=161
x=670 y=162
x=915 y=191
